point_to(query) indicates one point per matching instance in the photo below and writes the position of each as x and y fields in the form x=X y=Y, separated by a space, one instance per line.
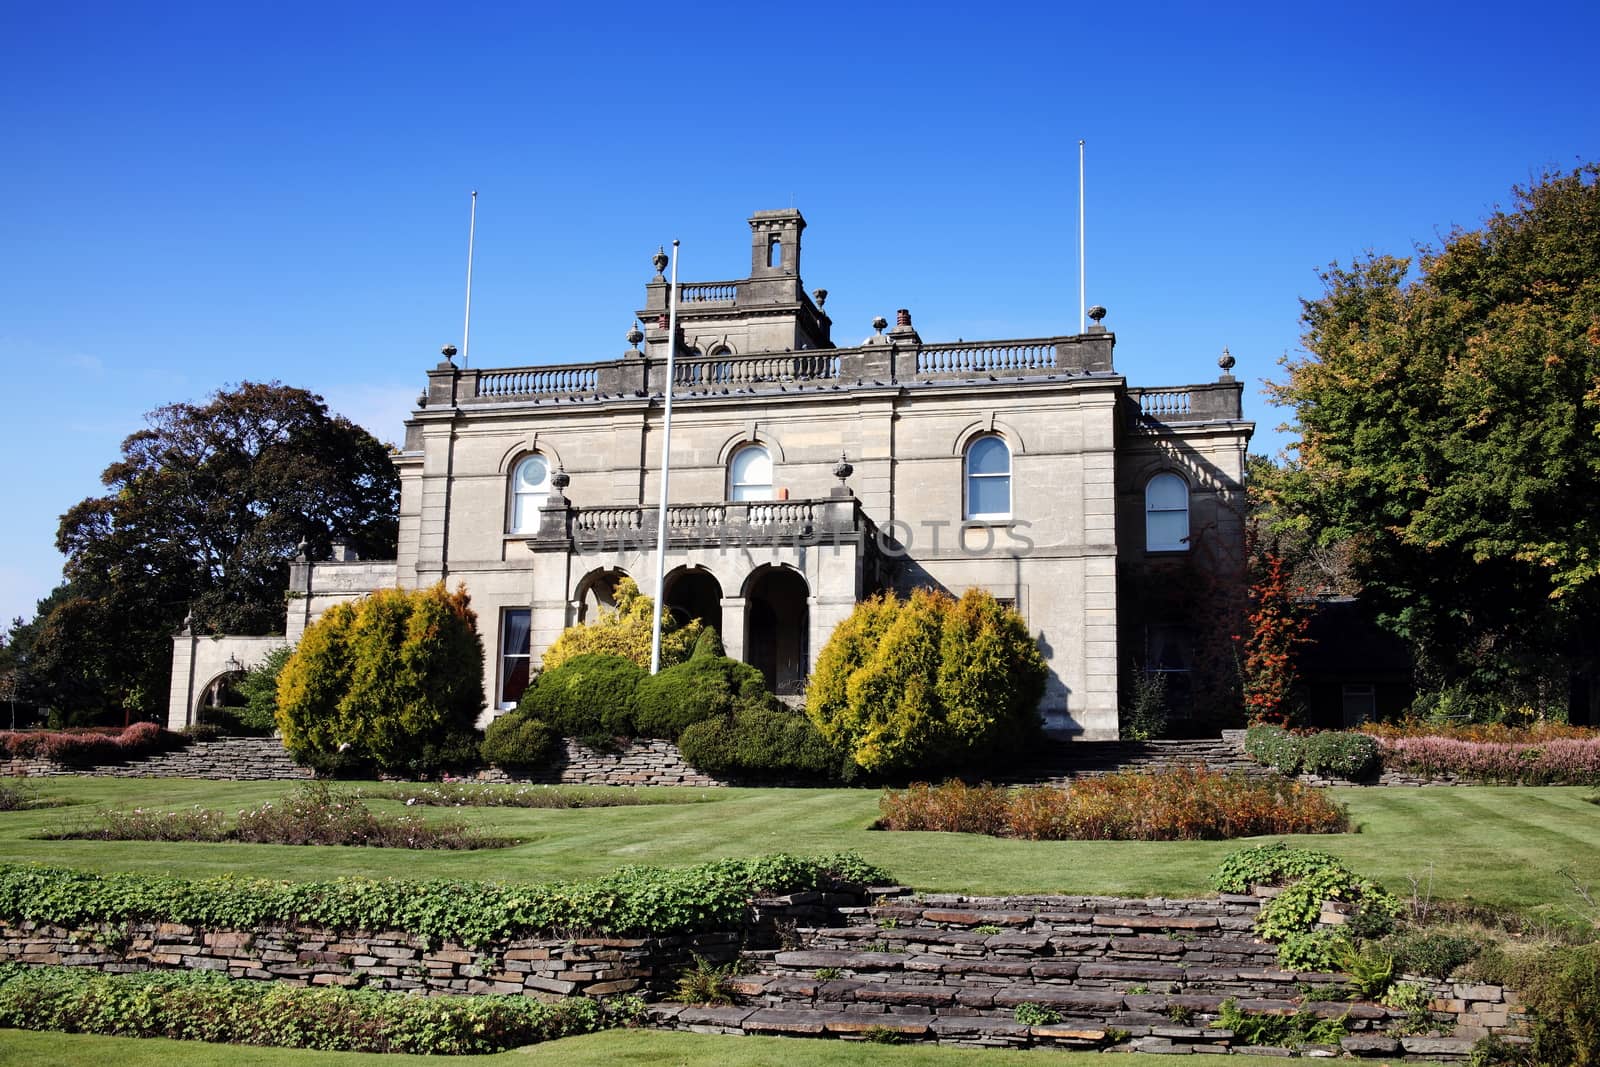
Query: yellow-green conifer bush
x=625 y=631
x=392 y=681
x=928 y=683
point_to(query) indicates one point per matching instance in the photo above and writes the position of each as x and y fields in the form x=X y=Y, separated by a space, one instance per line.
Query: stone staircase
x=1099 y=973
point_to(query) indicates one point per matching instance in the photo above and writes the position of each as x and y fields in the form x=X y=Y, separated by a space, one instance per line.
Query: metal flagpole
x=666 y=454
x=466 y=326
x=1083 y=316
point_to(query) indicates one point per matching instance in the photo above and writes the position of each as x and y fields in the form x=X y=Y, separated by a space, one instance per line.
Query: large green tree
x=204 y=509
x=1449 y=419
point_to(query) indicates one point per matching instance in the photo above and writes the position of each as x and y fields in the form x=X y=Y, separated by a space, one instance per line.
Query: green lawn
x=1501 y=846
x=616 y=1048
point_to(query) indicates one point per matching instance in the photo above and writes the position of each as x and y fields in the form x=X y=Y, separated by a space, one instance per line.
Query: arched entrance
x=220 y=698
x=777 y=620
x=694 y=593
x=596 y=590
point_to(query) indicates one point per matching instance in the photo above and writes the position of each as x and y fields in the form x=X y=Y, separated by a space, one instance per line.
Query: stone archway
x=694 y=593
x=596 y=590
x=777 y=623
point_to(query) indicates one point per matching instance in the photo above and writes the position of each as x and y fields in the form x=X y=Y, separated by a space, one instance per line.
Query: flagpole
x=1083 y=316
x=472 y=231
x=666 y=465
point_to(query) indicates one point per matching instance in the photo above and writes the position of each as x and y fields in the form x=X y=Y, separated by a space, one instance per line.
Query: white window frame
x=526 y=502
x=508 y=658
x=967 y=476
x=750 y=490
x=1151 y=508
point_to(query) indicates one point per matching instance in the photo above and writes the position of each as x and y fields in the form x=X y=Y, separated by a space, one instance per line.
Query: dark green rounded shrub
x=518 y=741
x=707 y=686
x=763 y=742
x=587 y=696
x=1338 y=754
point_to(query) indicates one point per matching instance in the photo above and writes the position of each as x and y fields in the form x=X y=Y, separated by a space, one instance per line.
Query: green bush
x=928 y=682
x=1559 y=988
x=1338 y=754
x=1432 y=953
x=1144 y=715
x=707 y=686
x=625 y=631
x=392 y=680
x=1276 y=748
x=628 y=901
x=259 y=687
x=517 y=741
x=204 y=1006
x=591 y=695
x=762 y=742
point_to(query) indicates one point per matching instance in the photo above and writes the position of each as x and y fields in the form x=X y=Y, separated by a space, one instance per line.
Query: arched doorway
x=777 y=621
x=596 y=590
x=694 y=593
x=220 y=700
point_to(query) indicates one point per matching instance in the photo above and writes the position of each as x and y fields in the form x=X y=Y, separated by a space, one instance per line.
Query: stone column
x=733 y=626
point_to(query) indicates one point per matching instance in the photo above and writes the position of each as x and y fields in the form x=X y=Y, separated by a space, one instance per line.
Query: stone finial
x=820 y=296
x=1097 y=313
x=188 y=623
x=560 y=480
x=660 y=261
x=843 y=469
x=449 y=354
x=302 y=552
x=879 y=322
x=635 y=335
x=1226 y=361
x=422 y=400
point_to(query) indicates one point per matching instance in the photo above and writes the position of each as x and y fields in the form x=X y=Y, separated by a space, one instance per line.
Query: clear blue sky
x=196 y=195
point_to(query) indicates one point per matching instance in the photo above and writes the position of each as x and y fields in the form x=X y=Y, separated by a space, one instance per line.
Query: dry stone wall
x=225 y=759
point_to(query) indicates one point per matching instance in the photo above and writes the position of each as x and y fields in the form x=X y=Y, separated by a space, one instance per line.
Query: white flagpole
x=1083 y=316
x=666 y=465
x=472 y=231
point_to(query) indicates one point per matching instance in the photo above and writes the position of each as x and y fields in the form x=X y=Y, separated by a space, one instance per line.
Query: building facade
x=807 y=476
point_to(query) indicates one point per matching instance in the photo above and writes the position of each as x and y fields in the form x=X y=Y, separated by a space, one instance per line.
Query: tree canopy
x=1448 y=410
x=205 y=508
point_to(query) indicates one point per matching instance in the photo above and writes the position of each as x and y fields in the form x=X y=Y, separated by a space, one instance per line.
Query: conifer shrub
x=626 y=631
x=392 y=681
x=928 y=682
x=517 y=741
x=706 y=686
x=587 y=696
x=764 y=742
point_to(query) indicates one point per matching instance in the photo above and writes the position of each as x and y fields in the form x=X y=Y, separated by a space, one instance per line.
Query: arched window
x=750 y=474
x=988 y=479
x=530 y=487
x=1166 y=514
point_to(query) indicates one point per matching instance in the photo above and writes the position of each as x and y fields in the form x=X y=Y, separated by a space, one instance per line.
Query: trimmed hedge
x=586 y=696
x=765 y=742
x=205 y=1006
x=707 y=686
x=629 y=901
x=1560 y=761
x=518 y=741
x=87 y=748
x=1327 y=754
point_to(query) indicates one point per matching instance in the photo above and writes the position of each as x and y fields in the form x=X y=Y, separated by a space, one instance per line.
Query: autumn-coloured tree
x=1276 y=629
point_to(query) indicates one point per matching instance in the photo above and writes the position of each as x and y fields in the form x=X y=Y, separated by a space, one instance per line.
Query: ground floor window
x=1359 y=703
x=515 y=629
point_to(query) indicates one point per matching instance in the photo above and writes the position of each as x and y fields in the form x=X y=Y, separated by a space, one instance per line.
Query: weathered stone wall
x=640 y=762
x=543 y=967
x=226 y=759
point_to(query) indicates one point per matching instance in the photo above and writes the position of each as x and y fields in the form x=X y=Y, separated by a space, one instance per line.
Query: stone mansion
x=806 y=477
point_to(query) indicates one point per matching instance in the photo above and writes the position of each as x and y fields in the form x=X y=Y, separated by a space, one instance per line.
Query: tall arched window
x=750 y=474
x=1166 y=514
x=530 y=487
x=988 y=477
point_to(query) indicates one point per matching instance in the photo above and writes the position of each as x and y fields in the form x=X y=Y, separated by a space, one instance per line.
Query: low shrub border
x=1559 y=761
x=312 y=815
x=202 y=1006
x=470 y=795
x=1325 y=754
x=631 y=900
x=1183 y=803
x=82 y=748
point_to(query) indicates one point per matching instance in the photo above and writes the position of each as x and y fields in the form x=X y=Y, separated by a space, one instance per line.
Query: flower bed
x=1560 y=761
x=1183 y=803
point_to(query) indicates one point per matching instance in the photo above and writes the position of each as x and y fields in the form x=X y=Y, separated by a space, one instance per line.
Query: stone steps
x=1058 y=762
x=1086 y=972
